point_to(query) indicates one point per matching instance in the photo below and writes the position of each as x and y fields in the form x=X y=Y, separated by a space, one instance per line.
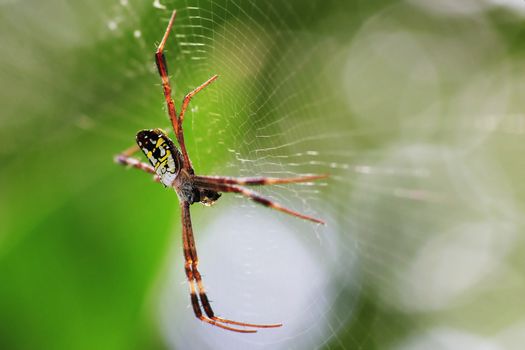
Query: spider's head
x=162 y=154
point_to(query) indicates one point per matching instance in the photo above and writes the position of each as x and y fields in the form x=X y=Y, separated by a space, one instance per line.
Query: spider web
x=308 y=89
x=422 y=243
x=268 y=114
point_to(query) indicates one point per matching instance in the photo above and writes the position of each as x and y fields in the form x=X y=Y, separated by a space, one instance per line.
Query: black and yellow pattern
x=161 y=153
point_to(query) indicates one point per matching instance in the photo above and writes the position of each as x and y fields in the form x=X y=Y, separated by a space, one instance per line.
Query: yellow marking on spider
x=160 y=141
x=168 y=154
x=164 y=159
x=162 y=162
x=159 y=164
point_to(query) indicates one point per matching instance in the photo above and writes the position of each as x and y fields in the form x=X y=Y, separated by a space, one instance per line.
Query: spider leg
x=160 y=59
x=189 y=96
x=255 y=181
x=125 y=158
x=256 y=197
x=193 y=275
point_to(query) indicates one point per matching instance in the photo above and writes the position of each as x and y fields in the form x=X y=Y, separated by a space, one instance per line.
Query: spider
x=173 y=168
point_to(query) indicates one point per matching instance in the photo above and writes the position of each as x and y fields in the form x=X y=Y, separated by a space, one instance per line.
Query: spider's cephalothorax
x=188 y=191
x=173 y=168
x=165 y=158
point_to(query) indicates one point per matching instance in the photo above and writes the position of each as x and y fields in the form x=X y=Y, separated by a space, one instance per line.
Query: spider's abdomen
x=162 y=154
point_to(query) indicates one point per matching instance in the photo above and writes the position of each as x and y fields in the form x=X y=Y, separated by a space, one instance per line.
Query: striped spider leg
x=125 y=158
x=232 y=184
x=172 y=167
x=176 y=120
